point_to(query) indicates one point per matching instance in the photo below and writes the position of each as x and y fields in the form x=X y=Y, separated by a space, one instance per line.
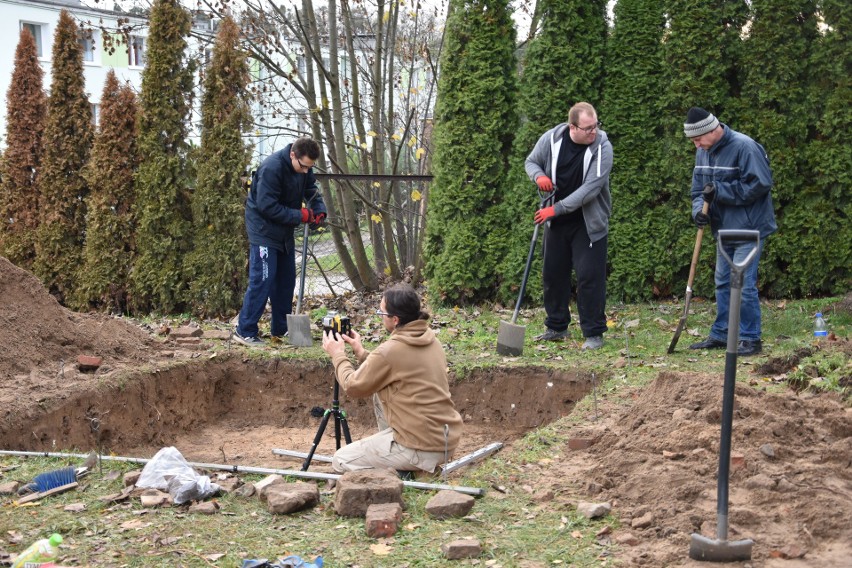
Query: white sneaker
x=594 y=342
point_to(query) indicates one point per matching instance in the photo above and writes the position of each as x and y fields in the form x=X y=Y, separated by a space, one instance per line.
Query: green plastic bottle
x=40 y=552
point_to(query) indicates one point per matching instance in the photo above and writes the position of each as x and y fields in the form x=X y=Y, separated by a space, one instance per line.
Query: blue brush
x=53 y=479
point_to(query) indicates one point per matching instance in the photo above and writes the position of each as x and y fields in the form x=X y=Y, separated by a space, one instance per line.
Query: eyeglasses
x=301 y=165
x=589 y=129
x=379 y=312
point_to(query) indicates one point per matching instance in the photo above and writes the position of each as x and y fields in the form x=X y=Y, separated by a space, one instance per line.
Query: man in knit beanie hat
x=731 y=174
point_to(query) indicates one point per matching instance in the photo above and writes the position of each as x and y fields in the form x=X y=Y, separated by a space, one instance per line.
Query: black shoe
x=709 y=343
x=746 y=347
x=405 y=475
x=552 y=335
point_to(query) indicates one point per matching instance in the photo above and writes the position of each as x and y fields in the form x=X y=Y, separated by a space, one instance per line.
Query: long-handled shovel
x=299 y=324
x=510 y=336
x=721 y=549
x=688 y=297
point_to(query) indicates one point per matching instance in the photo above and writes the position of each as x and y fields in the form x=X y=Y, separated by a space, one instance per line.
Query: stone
x=261 y=485
x=463 y=548
x=357 y=490
x=285 y=498
x=205 y=508
x=593 y=510
x=642 y=522
x=247 y=490
x=383 y=520
x=448 y=504
x=767 y=450
x=131 y=477
x=186 y=331
x=88 y=363
x=154 y=498
x=9 y=488
x=216 y=334
x=673 y=455
x=627 y=539
x=760 y=481
x=229 y=484
x=579 y=443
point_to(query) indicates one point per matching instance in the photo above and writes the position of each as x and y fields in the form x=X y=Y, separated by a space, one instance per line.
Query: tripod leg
x=317 y=439
x=345 y=424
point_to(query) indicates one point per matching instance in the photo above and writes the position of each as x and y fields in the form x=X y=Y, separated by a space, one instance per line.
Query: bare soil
x=653 y=458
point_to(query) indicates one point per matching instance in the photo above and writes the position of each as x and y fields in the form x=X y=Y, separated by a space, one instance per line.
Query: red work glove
x=318 y=220
x=544 y=215
x=308 y=216
x=544 y=183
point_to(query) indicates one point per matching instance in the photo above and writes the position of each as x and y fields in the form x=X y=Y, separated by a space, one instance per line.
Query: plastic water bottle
x=40 y=552
x=820 y=329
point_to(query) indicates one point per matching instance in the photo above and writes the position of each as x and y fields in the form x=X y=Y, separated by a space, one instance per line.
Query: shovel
x=299 y=324
x=721 y=549
x=688 y=297
x=510 y=337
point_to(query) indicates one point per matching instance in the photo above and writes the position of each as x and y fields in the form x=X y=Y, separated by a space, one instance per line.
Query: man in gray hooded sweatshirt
x=574 y=160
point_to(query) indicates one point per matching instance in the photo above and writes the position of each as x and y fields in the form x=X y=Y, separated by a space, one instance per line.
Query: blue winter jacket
x=738 y=167
x=274 y=203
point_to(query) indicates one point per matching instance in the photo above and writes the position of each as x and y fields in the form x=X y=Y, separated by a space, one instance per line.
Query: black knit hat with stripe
x=698 y=122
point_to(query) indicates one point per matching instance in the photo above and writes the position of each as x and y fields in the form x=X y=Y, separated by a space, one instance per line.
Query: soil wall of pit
x=160 y=408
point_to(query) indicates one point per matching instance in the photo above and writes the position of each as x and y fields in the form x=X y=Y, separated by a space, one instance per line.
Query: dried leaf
x=380 y=549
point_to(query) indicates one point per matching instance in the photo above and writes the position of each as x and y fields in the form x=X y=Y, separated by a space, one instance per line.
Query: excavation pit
x=235 y=410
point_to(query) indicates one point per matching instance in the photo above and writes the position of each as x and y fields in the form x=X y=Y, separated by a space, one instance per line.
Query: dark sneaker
x=552 y=335
x=749 y=347
x=406 y=475
x=594 y=342
x=250 y=341
x=709 y=343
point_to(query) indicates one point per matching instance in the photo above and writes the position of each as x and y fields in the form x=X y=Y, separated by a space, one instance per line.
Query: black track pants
x=567 y=247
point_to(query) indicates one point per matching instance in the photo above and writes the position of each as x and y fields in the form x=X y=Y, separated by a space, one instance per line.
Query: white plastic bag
x=169 y=471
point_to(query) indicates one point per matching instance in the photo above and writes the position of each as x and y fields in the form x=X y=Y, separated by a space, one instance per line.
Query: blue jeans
x=750 y=306
x=272 y=275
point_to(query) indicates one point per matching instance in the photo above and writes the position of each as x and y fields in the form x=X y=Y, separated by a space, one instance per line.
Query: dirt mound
x=41 y=339
x=790 y=480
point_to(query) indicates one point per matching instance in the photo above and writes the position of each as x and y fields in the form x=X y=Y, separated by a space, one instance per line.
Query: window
x=96 y=113
x=136 y=51
x=87 y=45
x=35 y=29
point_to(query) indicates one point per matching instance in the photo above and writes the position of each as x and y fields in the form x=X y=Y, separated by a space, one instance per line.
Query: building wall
x=45 y=15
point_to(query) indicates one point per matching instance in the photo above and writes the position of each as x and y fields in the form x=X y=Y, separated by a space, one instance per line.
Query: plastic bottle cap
x=55 y=539
x=819 y=314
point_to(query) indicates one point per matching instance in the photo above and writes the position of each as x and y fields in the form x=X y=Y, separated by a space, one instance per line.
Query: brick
x=383 y=519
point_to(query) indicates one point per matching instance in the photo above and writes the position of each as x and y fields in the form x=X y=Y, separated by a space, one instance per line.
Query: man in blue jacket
x=732 y=174
x=283 y=183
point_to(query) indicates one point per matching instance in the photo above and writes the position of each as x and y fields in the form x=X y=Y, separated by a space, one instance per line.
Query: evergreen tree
x=475 y=121
x=111 y=222
x=563 y=65
x=217 y=263
x=777 y=86
x=635 y=79
x=25 y=117
x=67 y=143
x=162 y=181
x=821 y=239
x=702 y=49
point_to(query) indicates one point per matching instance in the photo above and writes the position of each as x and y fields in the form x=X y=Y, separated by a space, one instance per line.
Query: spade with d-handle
x=721 y=549
x=688 y=297
x=510 y=336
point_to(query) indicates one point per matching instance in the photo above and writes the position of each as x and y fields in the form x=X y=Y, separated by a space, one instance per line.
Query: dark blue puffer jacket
x=739 y=169
x=274 y=203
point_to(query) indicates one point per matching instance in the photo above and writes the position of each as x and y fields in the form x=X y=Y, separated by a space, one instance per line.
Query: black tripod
x=339 y=420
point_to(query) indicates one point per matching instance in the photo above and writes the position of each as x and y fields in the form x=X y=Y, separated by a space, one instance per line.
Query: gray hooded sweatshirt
x=593 y=195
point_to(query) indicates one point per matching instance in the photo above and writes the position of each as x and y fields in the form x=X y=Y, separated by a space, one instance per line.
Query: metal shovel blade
x=510 y=339
x=299 y=330
x=713 y=550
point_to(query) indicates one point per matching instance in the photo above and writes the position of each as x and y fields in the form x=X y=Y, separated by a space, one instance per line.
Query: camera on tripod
x=336 y=323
